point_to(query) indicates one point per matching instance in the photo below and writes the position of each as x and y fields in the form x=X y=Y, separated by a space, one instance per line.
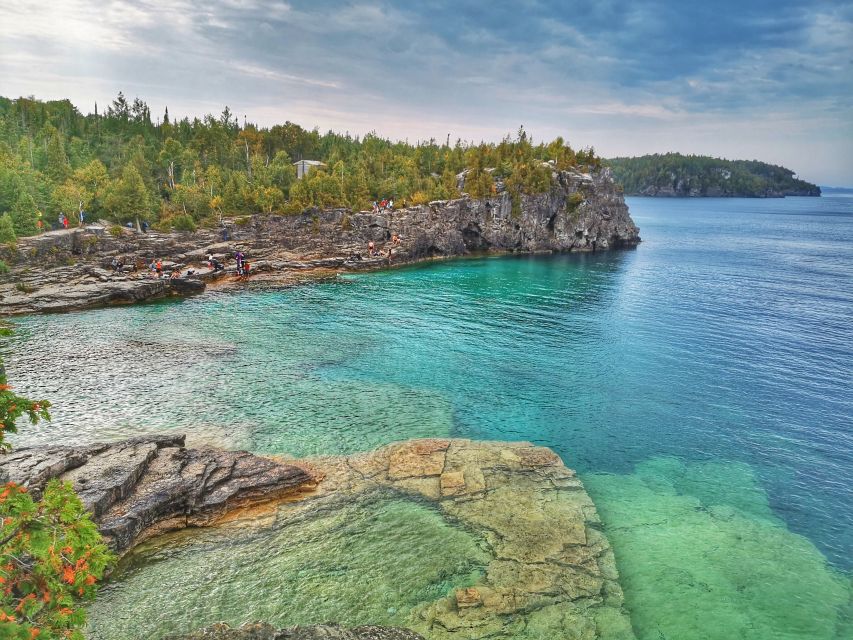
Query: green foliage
x=4 y=268
x=703 y=175
x=24 y=288
x=574 y=201
x=121 y=166
x=128 y=198
x=51 y=553
x=51 y=558
x=183 y=223
x=25 y=216
x=7 y=230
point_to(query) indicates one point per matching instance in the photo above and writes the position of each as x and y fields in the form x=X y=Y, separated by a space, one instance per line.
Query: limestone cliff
x=68 y=270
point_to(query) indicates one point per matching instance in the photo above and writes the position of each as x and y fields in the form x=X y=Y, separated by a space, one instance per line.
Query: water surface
x=705 y=376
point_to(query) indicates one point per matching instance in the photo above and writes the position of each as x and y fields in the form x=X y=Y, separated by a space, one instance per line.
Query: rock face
x=316 y=632
x=70 y=269
x=148 y=485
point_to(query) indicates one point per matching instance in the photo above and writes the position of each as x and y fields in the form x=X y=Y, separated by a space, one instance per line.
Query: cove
x=699 y=384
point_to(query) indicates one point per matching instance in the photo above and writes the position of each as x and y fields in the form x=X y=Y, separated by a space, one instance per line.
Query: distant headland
x=688 y=176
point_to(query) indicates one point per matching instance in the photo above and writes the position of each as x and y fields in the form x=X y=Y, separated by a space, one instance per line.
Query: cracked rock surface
x=552 y=573
x=143 y=486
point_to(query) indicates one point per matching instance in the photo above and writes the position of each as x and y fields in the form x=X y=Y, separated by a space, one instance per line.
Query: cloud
x=609 y=70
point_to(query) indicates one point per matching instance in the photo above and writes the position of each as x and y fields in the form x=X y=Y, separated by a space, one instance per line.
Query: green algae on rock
x=700 y=555
x=366 y=562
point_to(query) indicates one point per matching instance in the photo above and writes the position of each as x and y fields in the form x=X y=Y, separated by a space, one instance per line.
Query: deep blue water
x=726 y=336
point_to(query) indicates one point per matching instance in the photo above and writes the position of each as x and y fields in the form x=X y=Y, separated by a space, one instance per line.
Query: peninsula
x=689 y=176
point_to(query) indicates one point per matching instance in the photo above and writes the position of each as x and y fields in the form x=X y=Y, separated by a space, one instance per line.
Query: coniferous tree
x=7 y=230
x=25 y=215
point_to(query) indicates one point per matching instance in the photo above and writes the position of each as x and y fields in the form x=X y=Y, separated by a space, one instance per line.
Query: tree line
x=704 y=175
x=120 y=165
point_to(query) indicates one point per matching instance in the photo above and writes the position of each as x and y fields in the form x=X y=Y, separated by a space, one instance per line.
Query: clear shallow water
x=364 y=562
x=721 y=346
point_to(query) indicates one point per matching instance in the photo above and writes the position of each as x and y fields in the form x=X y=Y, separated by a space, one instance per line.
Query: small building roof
x=313 y=163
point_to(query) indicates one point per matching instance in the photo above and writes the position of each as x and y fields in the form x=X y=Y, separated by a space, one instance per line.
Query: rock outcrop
x=315 y=632
x=549 y=570
x=71 y=269
x=151 y=484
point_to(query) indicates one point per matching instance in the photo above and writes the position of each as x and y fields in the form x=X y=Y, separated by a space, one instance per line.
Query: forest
x=674 y=174
x=121 y=165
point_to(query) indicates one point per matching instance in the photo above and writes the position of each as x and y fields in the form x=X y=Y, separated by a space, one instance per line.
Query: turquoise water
x=701 y=384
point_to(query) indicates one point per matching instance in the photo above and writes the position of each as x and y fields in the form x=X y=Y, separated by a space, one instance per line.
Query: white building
x=304 y=166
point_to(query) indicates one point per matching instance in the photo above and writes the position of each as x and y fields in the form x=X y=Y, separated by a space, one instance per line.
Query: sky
x=743 y=79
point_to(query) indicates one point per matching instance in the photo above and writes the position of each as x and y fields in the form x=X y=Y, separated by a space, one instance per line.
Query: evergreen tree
x=58 y=168
x=7 y=230
x=25 y=215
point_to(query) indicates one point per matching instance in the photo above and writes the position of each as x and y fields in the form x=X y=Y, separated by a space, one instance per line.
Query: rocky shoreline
x=549 y=567
x=140 y=487
x=71 y=270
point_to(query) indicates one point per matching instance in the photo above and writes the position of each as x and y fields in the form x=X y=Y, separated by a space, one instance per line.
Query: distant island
x=677 y=175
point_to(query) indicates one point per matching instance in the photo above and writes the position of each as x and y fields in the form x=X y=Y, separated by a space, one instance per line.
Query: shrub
x=419 y=197
x=575 y=200
x=183 y=222
x=24 y=288
x=4 y=268
x=116 y=231
x=51 y=553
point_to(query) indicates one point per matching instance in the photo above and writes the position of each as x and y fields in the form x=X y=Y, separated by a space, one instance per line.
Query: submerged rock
x=552 y=573
x=314 y=632
x=151 y=484
x=547 y=569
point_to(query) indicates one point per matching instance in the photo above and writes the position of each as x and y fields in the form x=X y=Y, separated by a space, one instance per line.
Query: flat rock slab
x=314 y=632
x=552 y=572
x=147 y=485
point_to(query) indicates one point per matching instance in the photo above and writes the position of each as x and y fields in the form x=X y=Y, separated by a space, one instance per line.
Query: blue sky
x=771 y=80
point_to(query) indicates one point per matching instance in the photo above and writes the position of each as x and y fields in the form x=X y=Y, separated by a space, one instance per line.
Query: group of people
x=383 y=205
x=64 y=221
x=373 y=251
x=243 y=266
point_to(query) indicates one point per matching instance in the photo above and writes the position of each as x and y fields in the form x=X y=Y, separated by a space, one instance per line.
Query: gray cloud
x=753 y=78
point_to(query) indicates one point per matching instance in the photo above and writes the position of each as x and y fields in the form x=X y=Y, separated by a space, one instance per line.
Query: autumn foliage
x=51 y=553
